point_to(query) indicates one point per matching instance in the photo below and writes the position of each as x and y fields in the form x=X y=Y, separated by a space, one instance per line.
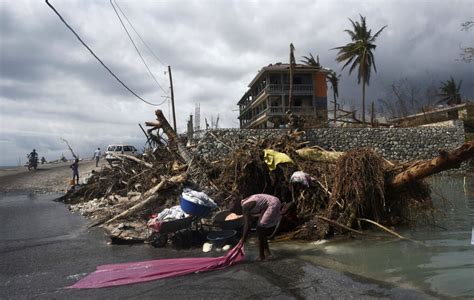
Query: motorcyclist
x=33 y=157
x=33 y=154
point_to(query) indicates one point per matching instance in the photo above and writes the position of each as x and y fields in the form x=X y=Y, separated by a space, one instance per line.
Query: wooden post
x=172 y=99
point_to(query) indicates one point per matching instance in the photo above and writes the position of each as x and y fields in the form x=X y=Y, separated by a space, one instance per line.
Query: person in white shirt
x=97 y=154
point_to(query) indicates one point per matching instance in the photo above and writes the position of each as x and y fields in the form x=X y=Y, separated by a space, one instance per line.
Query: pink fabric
x=267 y=206
x=128 y=273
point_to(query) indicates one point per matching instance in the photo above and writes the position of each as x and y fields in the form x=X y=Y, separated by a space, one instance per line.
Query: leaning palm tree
x=359 y=52
x=450 y=92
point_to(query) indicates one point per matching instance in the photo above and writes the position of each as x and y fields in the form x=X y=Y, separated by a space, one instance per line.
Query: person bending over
x=268 y=209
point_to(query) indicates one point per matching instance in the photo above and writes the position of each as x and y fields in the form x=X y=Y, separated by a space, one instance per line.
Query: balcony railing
x=280 y=111
x=300 y=110
x=297 y=88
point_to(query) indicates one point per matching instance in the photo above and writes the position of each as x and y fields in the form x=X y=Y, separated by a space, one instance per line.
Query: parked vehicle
x=119 y=149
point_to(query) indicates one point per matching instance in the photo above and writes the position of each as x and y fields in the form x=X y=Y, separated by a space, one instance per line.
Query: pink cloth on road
x=128 y=273
x=267 y=206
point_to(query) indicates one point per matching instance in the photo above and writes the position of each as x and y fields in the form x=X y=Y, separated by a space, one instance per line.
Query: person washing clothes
x=268 y=209
x=75 y=171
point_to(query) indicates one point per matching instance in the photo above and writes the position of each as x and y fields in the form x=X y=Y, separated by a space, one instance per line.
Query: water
x=442 y=264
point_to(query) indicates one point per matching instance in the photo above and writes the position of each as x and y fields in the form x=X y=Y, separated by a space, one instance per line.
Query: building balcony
x=280 y=111
x=279 y=89
x=298 y=89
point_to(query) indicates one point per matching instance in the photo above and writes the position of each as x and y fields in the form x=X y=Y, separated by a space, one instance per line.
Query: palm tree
x=450 y=92
x=292 y=64
x=310 y=61
x=359 y=52
x=334 y=80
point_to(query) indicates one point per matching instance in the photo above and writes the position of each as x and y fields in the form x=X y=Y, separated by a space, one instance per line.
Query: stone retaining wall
x=400 y=144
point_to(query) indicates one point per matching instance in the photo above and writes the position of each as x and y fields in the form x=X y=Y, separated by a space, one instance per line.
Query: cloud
x=51 y=86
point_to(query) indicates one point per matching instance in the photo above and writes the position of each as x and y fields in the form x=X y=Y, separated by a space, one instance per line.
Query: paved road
x=47 y=178
x=44 y=248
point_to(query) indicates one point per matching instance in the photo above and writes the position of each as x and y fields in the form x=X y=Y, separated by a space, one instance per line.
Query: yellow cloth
x=272 y=158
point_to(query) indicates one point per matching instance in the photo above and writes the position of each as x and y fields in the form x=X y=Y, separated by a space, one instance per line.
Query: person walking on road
x=97 y=155
x=75 y=171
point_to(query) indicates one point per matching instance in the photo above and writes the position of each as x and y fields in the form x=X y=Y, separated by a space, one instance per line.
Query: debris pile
x=343 y=191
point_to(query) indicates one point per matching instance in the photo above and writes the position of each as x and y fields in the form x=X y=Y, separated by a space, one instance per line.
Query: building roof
x=282 y=67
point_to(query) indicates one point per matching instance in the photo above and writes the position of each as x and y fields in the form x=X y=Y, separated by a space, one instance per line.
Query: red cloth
x=128 y=273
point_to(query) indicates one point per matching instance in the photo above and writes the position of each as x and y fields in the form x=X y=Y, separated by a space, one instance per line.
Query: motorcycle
x=32 y=162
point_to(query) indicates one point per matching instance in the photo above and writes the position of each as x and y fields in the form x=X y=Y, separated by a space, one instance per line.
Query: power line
x=136 y=48
x=93 y=54
x=131 y=25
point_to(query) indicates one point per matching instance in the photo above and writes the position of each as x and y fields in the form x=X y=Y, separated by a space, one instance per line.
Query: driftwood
x=318 y=154
x=444 y=161
x=347 y=188
x=150 y=195
x=162 y=123
x=129 y=157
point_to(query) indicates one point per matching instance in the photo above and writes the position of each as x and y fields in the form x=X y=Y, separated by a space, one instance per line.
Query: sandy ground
x=47 y=178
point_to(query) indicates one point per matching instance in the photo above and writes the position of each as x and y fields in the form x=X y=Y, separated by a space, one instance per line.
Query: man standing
x=97 y=155
x=75 y=171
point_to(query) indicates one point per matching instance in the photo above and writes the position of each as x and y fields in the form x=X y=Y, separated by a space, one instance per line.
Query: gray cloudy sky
x=51 y=87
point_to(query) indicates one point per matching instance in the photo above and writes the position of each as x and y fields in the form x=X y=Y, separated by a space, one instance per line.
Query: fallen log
x=319 y=154
x=444 y=161
x=133 y=158
x=151 y=196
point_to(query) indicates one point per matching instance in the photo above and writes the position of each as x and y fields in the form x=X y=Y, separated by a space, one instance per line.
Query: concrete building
x=265 y=103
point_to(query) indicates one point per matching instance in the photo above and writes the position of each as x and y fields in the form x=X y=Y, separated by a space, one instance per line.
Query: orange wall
x=319 y=84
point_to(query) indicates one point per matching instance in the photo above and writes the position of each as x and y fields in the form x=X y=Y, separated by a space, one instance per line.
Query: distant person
x=75 y=171
x=268 y=209
x=33 y=155
x=32 y=160
x=43 y=160
x=97 y=155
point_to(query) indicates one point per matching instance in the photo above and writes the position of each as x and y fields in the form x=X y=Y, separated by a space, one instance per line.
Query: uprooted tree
x=347 y=190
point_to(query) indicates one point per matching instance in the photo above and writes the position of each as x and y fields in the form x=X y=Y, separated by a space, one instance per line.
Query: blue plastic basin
x=193 y=208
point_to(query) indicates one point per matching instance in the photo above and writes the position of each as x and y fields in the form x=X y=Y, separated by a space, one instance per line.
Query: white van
x=119 y=149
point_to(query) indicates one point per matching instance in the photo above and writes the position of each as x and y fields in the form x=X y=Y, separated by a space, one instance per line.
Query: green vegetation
x=450 y=92
x=359 y=53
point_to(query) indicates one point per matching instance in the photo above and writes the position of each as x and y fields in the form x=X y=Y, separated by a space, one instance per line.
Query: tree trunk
x=363 y=101
x=335 y=107
x=162 y=123
x=444 y=161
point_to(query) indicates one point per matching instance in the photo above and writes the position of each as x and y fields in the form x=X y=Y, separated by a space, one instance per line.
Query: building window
x=275 y=101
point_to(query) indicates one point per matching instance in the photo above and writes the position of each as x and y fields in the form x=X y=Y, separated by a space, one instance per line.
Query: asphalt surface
x=47 y=178
x=44 y=248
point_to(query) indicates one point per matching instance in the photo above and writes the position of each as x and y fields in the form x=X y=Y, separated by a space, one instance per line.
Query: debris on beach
x=334 y=193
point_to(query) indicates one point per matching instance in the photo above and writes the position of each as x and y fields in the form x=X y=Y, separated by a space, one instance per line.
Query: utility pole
x=172 y=99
